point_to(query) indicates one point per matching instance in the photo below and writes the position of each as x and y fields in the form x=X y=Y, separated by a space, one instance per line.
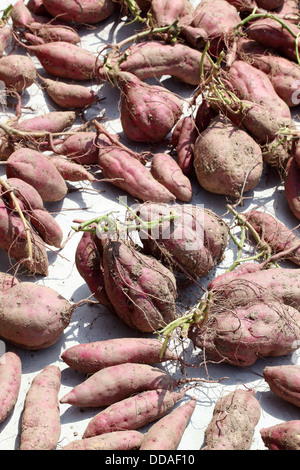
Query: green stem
x=134 y=10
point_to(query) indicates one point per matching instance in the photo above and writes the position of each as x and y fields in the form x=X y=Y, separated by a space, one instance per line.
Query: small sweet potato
x=10 y=380
x=5 y=36
x=184 y=136
x=284 y=381
x=33 y=316
x=40 y=424
x=167 y=432
x=141 y=289
x=115 y=383
x=227 y=159
x=88 y=11
x=71 y=171
x=81 y=148
x=18 y=72
x=167 y=171
x=234 y=419
x=291 y=186
x=91 y=357
x=282 y=436
x=54 y=121
x=35 y=169
x=122 y=415
x=47 y=227
x=117 y=440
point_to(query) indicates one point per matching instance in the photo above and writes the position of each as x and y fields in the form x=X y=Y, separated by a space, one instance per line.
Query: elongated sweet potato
x=166 y=12
x=10 y=379
x=91 y=357
x=227 y=159
x=71 y=171
x=184 y=136
x=35 y=169
x=115 y=383
x=54 y=121
x=282 y=436
x=117 y=440
x=234 y=419
x=291 y=186
x=52 y=33
x=88 y=11
x=141 y=289
x=21 y=15
x=194 y=242
x=81 y=148
x=47 y=227
x=284 y=381
x=33 y=316
x=167 y=432
x=26 y=194
x=167 y=171
x=18 y=72
x=152 y=405
x=68 y=95
x=40 y=426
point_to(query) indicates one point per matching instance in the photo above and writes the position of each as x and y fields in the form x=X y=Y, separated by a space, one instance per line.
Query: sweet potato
x=88 y=11
x=193 y=243
x=167 y=171
x=231 y=275
x=140 y=288
x=81 y=148
x=166 y=12
x=68 y=95
x=18 y=72
x=289 y=10
x=184 y=136
x=270 y=33
x=5 y=36
x=33 y=316
x=282 y=436
x=51 y=33
x=88 y=259
x=10 y=380
x=37 y=7
x=13 y=240
x=117 y=440
x=167 y=432
x=71 y=171
x=227 y=159
x=21 y=15
x=40 y=424
x=243 y=5
x=7 y=281
x=91 y=357
x=156 y=58
x=35 y=169
x=47 y=227
x=115 y=383
x=279 y=237
x=26 y=194
x=122 y=415
x=269 y=4
x=291 y=186
x=234 y=419
x=54 y=121
x=148 y=112
x=284 y=381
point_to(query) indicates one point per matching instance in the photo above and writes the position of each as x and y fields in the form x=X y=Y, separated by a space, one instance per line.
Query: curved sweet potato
x=184 y=136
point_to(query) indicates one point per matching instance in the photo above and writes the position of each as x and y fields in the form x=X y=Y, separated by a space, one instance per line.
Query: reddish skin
x=148 y=112
x=54 y=121
x=115 y=383
x=21 y=15
x=25 y=193
x=118 y=440
x=284 y=381
x=88 y=11
x=289 y=10
x=204 y=115
x=7 y=281
x=33 y=316
x=184 y=136
x=269 y=4
x=17 y=72
x=51 y=33
x=167 y=171
x=233 y=422
x=282 y=436
x=35 y=169
x=10 y=379
x=40 y=425
x=165 y=12
x=81 y=147
x=152 y=405
x=167 y=432
x=37 y=7
x=68 y=95
x=91 y=357
x=228 y=276
x=5 y=36
x=292 y=186
x=47 y=227
x=71 y=171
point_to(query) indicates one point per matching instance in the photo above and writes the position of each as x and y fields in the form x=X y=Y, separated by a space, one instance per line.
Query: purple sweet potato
x=141 y=289
x=279 y=237
x=33 y=316
x=282 y=436
x=234 y=419
x=184 y=136
x=227 y=159
x=194 y=242
x=291 y=186
x=68 y=95
x=167 y=171
x=117 y=440
x=122 y=415
x=53 y=121
x=91 y=357
x=284 y=381
x=40 y=424
x=148 y=112
x=35 y=169
x=115 y=383
x=10 y=380
x=88 y=11
x=167 y=432
x=18 y=72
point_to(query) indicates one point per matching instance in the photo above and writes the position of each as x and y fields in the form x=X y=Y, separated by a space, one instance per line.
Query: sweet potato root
x=117 y=440
x=10 y=379
x=284 y=381
x=233 y=422
x=282 y=436
x=40 y=425
x=91 y=357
